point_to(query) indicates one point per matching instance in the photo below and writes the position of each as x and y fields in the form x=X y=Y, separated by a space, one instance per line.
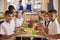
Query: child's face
x=14 y=12
x=51 y=16
x=9 y=17
x=19 y=15
x=20 y=2
x=46 y=17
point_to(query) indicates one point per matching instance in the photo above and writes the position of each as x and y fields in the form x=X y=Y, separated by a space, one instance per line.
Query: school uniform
x=29 y=6
x=7 y=29
x=21 y=7
x=54 y=28
x=19 y=22
x=46 y=23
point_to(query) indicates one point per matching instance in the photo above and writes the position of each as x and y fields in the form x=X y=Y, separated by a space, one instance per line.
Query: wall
x=1 y=5
x=5 y=5
x=55 y=3
x=45 y=5
x=59 y=11
x=57 y=7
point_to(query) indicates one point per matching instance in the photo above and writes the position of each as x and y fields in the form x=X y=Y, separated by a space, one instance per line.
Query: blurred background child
x=20 y=6
x=19 y=19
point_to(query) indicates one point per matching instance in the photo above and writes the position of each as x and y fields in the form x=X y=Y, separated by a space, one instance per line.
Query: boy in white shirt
x=8 y=26
x=54 y=27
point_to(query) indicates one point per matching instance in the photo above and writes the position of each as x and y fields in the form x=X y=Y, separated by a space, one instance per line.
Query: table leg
x=21 y=38
x=41 y=38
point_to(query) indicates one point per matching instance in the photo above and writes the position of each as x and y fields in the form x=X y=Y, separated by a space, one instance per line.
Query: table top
x=30 y=35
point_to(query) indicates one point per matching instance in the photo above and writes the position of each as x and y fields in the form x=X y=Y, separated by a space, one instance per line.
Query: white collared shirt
x=54 y=28
x=10 y=28
x=19 y=22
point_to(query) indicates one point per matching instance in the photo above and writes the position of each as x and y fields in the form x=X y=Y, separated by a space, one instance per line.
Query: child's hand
x=21 y=28
x=17 y=33
x=46 y=30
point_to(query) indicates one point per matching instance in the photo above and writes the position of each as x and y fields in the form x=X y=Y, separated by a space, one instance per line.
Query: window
x=37 y=4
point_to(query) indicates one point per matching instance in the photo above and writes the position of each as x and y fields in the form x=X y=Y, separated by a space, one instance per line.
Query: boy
x=8 y=26
x=54 y=27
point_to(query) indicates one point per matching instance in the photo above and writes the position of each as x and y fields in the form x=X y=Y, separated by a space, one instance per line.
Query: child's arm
x=5 y=35
x=45 y=28
x=57 y=36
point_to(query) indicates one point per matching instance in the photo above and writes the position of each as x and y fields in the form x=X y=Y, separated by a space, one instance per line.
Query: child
x=18 y=22
x=44 y=19
x=54 y=27
x=29 y=6
x=20 y=6
x=19 y=19
x=41 y=22
x=8 y=26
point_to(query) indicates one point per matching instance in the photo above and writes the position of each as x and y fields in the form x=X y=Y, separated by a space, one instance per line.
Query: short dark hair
x=11 y=7
x=7 y=12
x=42 y=12
x=20 y=0
x=52 y=11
